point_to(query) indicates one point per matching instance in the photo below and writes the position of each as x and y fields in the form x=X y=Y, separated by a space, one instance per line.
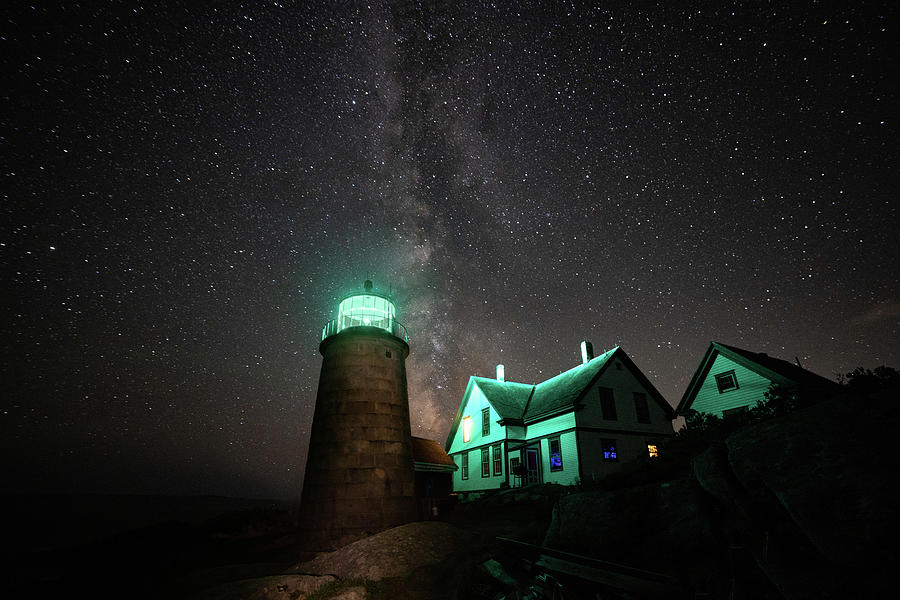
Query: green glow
x=366 y=310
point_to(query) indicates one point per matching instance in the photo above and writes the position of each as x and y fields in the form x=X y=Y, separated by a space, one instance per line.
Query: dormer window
x=726 y=381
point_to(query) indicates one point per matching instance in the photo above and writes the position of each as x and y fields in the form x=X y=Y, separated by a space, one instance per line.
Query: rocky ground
x=800 y=506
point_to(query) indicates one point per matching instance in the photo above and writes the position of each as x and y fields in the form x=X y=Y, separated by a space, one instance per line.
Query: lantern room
x=367 y=309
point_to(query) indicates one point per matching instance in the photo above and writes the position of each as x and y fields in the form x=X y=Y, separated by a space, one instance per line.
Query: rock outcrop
x=396 y=552
x=800 y=506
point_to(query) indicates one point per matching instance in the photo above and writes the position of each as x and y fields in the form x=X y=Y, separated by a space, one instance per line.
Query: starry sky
x=189 y=188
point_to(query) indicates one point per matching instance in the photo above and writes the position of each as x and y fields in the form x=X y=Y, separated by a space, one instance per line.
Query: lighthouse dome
x=367 y=309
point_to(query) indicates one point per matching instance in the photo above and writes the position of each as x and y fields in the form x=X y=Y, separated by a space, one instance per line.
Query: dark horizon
x=190 y=190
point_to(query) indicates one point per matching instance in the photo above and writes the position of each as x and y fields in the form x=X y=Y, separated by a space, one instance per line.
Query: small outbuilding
x=434 y=477
x=730 y=380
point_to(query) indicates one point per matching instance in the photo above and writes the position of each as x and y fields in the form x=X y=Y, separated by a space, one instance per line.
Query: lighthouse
x=359 y=469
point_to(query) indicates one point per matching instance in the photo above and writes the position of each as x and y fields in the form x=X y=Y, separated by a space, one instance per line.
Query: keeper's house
x=581 y=424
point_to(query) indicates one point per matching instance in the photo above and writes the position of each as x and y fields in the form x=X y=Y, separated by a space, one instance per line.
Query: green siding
x=751 y=387
x=570 y=460
x=623 y=384
x=551 y=426
x=475 y=403
x=475 y=480
x=628 y=447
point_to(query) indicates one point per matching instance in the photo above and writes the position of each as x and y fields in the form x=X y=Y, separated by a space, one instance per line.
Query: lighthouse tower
x=359 y=470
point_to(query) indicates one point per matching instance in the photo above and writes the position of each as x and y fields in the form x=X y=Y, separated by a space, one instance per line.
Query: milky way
x=188 y=191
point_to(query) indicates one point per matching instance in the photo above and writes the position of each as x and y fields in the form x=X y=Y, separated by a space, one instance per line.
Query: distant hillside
x=50 y=521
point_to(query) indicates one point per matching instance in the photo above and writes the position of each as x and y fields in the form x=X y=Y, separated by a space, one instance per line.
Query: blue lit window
x=609 y=450
x=556 y=463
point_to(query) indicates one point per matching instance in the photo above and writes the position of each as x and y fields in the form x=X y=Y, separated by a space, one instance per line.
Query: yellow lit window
x=467 y=429
x=652 y=450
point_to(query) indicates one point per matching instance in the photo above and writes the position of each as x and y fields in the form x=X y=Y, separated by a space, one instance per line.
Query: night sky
x=188 y=191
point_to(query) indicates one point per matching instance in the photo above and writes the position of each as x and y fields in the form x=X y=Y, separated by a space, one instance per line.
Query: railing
x=392 y=326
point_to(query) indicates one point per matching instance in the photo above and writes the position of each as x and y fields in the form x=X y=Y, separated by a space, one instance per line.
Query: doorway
x=532 y=466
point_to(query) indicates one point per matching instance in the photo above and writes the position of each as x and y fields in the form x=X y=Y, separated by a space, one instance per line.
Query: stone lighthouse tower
x=359 y=470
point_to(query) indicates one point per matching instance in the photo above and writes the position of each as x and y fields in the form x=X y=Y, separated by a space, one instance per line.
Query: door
x=532 y=466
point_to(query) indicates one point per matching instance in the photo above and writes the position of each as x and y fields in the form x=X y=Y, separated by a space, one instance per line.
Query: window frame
x=609 y=443
x=550 y=441
x=485 y=422
x=485 y=462
x=467 y=429
x=497 y=459
x=733 y=412
x=464 y=465
x=608 y=404
x=641 y=408
x=729 y=376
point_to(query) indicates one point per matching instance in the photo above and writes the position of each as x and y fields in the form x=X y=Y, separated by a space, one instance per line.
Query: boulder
x=396 y=552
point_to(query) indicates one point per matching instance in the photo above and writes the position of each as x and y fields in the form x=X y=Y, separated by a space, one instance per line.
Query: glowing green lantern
x=368 y=309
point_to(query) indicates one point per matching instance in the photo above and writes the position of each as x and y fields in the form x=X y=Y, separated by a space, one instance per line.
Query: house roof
x=525 y=402
x=774 y=369
x=428 y=453
x=508 y=398
x=561 y=392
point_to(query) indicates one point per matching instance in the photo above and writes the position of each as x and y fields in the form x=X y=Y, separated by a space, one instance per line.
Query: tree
x=780 y=400
x=866 y=381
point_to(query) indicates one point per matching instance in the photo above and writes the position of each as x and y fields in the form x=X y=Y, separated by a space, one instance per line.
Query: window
x=726 y=381
x=467 y=429
x=464 y=467
x=607 y=404
x=486 y=421
x=652 y=450
x=498 y=460
x=640 y=408
x=733 y=411
x=485 y=462
x=609 y=450
x=556 y=463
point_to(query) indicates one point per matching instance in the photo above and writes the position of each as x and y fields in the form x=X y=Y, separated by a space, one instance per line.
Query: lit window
x=652 y=451
x=498 y=459
x=485 y=462
x=609 y=450
x=556 y=463
x=486 y=421
x=464 y=467
x=726 y=381
x=467 y=429
x=607 y=404
x=640 y=408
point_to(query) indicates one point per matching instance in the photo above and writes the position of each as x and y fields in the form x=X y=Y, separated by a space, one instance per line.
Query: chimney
x=500 y=373
x=587 y=352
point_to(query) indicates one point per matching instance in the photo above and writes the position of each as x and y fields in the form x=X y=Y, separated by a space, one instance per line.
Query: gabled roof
x=528 y=403
x=560 y=393
x=774 y=369
x=508 y=398
x=429 y=456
